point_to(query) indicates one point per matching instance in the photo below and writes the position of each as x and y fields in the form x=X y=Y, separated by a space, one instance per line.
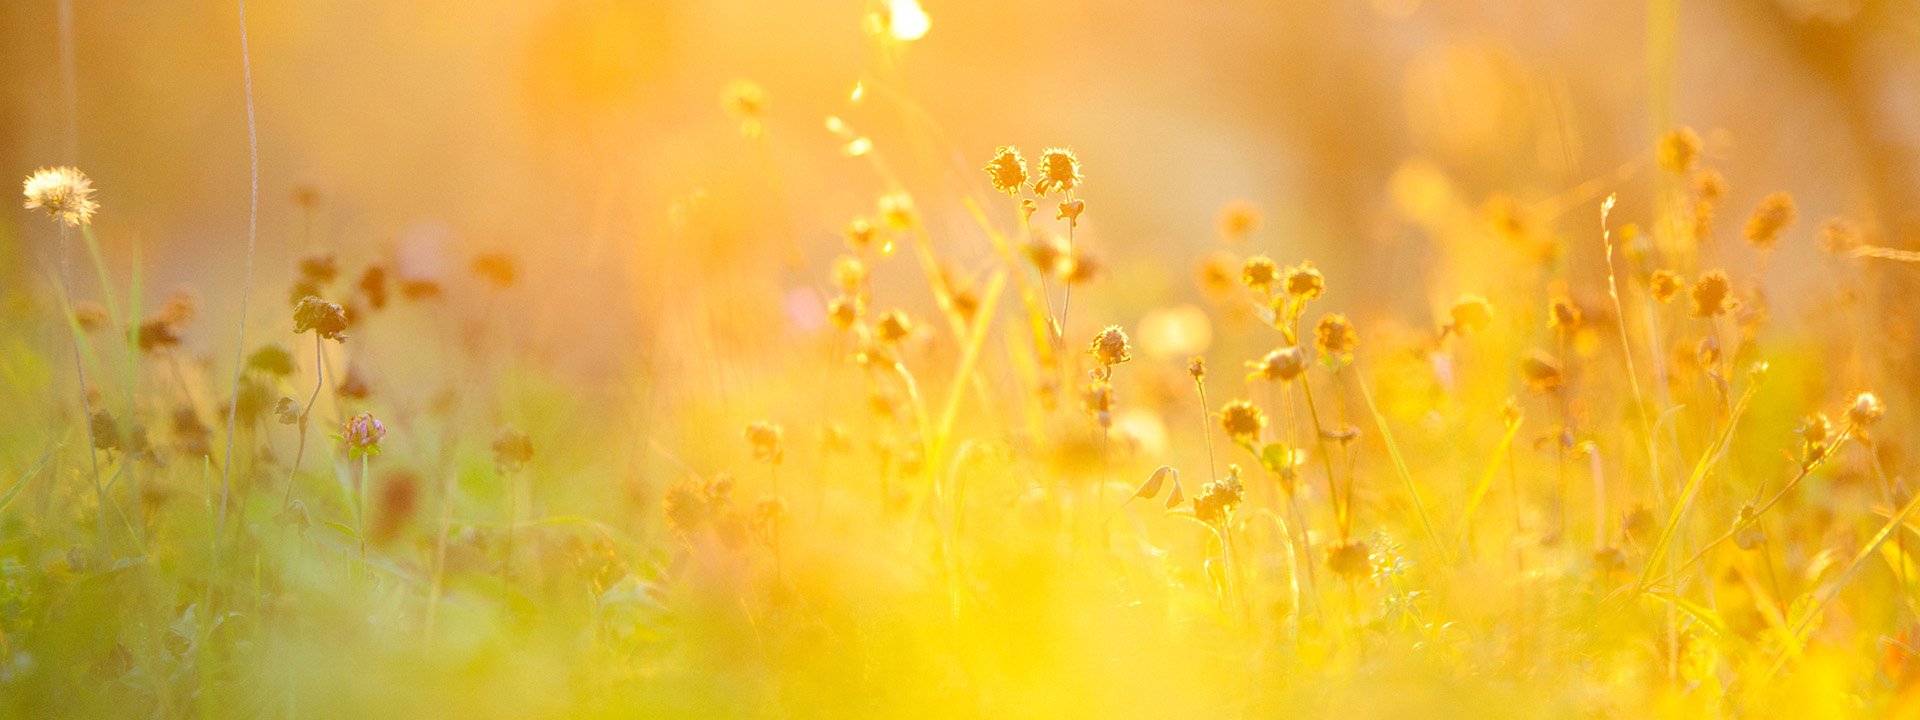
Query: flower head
x=1335 y=336
x=362 y=434
x=1679 y=148
x=1542 y=371
x=1866 y=410
x=1666 y=285
x=1242 y=420
x=512 y=449
x=1111 y=346
x=64 y=192
x=1260 y=273
x=1769 y=219
x=1282 y=364
x=764 y=438
x=1008 y=170
x=327 y=319
x=1305 y=281
x=1059 y=170
x=1563 y=314
x=1710 y=294
x=1470 y=314
x=893 y=326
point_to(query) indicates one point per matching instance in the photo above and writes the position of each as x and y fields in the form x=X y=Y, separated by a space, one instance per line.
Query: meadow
x=866 y=407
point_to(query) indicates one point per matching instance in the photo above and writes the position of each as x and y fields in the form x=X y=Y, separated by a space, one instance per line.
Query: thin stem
x=246 y=281
x=80 y=370
x=319 y=379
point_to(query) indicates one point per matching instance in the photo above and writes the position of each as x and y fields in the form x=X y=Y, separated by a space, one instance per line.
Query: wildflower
x=1471 y=313
x=1678 y=150
x=844 y=311
x=1335 y=336
x=326 y=319
x=1197 y=367
x=1238 y=219
x=1059 y=170
x=1305 y=281
x=1242 y=420
x=896 y=210
x=1351 y=559
x=512 y=449
x=1082 y=267
x=105 y=430
x=1541 y=371
x=1563 y=315
x=362 y=433
x=1217 y=499
x=1710 y=294
x=497 y=268
x=1710 y=186
x=1048 y=253
x=1866 y=410
x=1282 y=364
x=1772 y=217
x=849 y=273
x=1260 y=273
x=893 y=326
x=1008 y=171
x=764 y=438
x=1111 y=346
x=64 y=192
x=860 y=234
x=1666 y=285
x=1837 y=236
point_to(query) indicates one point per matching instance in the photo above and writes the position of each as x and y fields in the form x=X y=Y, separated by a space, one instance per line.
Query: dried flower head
x=1837 y=236
x=90 y=316
x=845 y=310
x=1562 y=314
x=64 y=193
x=1335 y=336
x=1769 y=219
x=1070 y=211
x=1541 y=371
x=325 y=318
x=1242 y=420
x=1197 y=367
x=1217 y=499
x=1471 y=314
x=1282 y=364
x=1666 y=285
x=1679 y=148
x=1710 y=186
x=764 y=438
x=319 y=267
x=1866 y=410
x=849 y=274
x=1305 y=281
x=860 y=234
x=893 y=326
x=1351 y=559
x=1058 y=170
x=362 y=433
x=1008 y=170
x=1111 y=346
x=1260 y=273
x=1710 y=294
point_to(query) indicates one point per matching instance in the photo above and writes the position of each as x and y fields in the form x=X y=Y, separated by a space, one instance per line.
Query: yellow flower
x=64 y=192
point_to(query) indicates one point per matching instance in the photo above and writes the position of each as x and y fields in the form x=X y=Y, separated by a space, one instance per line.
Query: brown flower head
x=1471 y=314
x=327 y=319
x=893 y=326
x=1335 y=336
x=1059 y=170
x=1769 y=219
x=1710 y=294
x=1679 y=148
x=764 y=438
x=844 y=310
x=1242 y=420
x=1111 y=346
x=1305 y=281
x=1282 y=364
x=1666 y=285
x=1260 y=273
x=1563 y=314
x=1008 y=170
x=1541 y=371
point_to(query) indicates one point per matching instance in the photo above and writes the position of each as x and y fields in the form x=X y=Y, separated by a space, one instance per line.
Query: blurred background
x=567 y=132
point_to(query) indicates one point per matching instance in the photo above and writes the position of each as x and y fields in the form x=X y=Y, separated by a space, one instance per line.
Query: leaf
x=1176 y=497
x=1151 y=488
x=22 y=482
x=344 y=530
